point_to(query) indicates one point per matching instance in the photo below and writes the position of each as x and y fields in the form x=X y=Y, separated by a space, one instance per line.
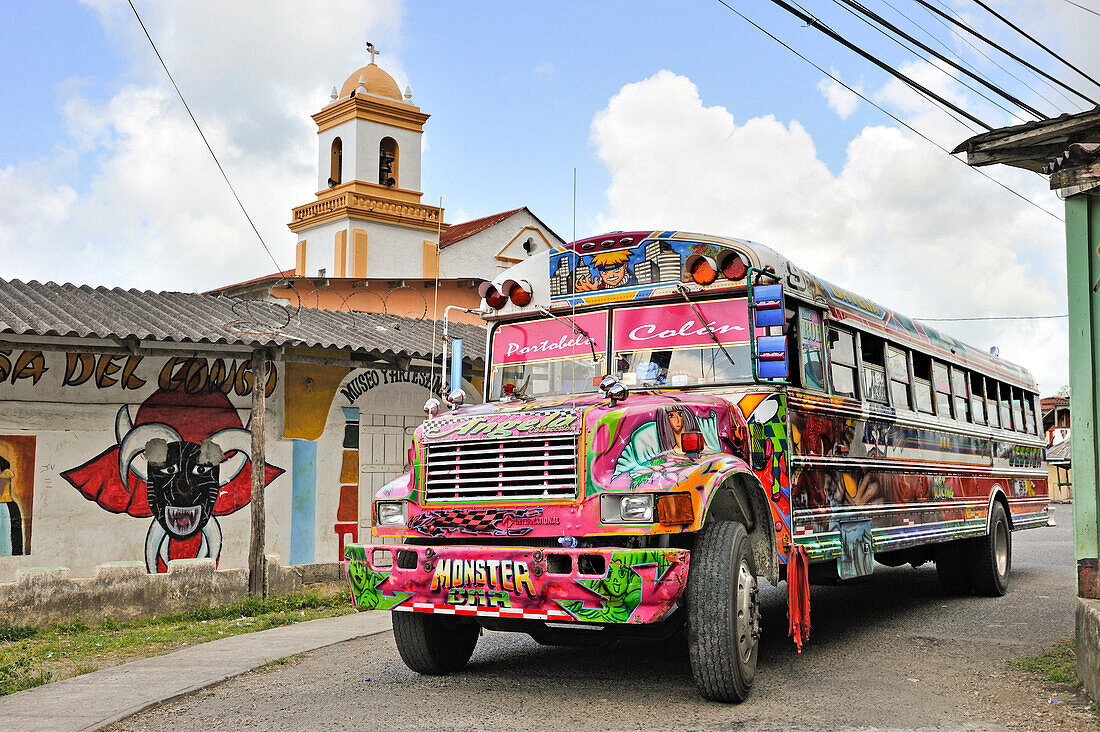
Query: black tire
x=723 y=615
x=953 y=566
x=434 y=644
x=991 y=555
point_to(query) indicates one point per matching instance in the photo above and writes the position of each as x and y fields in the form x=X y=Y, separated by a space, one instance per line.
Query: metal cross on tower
x=372 y=51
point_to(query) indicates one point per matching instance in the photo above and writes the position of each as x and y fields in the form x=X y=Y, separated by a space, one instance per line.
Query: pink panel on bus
x=548 y=339
x=677 y=326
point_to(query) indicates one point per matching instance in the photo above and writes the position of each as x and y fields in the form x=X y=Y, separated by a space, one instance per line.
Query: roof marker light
x=733 y=267
x=519 y=292
x=493 y=297
x=703 y=270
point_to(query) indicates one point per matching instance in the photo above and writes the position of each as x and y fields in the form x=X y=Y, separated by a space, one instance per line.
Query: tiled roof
x=37 y=309
x=266 y=278
x=466 y=229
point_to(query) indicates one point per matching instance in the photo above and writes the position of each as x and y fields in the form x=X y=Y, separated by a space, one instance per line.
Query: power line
x=864 y=10
x=892 y=116
x=980 y=52
x=1079 y=5
x=208 y=147
x=994 y=317
x=1005 y=51
x=818 y=25
x=945 y=72
x=1033 y=39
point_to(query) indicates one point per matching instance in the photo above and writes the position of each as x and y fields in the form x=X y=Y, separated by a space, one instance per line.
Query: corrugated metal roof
x=49 y=309
x=1061 y=453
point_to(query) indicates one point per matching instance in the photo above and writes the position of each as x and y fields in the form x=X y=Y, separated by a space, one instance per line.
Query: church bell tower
x=367 y=221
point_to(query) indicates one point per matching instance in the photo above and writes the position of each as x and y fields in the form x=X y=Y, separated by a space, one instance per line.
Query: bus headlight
x=390 y=514
x=636 y=508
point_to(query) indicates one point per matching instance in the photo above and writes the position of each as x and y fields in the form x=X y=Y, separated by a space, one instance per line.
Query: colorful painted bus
x=670 y=416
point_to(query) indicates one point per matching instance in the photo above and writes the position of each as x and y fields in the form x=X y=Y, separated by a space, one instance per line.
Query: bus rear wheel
x=991 y=555
x=434 y=644
x=723 y=614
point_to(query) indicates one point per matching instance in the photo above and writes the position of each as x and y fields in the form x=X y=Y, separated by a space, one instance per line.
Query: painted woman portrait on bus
x=672 y=423
x=654 y=448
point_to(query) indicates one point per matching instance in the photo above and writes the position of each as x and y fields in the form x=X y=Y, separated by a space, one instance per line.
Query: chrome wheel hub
x=1000 y=548
x=747 y=623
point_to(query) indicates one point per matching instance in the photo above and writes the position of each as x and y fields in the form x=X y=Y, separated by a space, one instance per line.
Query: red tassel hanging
x=798 y=595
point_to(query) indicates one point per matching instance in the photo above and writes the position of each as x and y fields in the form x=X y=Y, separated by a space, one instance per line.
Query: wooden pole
x=256 y=584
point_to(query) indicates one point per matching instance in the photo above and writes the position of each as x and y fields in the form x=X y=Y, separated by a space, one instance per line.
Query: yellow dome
x=377 y=81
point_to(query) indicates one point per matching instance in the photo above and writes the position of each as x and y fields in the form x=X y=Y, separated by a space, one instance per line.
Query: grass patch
x=34 y=655
x=1056 y=666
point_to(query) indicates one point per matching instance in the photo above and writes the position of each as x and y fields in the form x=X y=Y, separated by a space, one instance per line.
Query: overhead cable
x=208 y=147
x=892 y=116
x=818 y=25
x=1033 y=39
x=1079 y=5
x=1005 y=51
x=980 y=52
x=942 y=70
x=864 y=10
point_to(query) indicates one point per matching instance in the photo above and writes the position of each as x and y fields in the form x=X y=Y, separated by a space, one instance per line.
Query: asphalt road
x=889 y=651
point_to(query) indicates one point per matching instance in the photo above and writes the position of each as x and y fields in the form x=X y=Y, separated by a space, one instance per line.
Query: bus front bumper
x=601 y=585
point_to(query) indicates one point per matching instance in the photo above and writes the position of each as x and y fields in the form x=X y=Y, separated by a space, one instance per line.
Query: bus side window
x=842 y=357
x=1006 y=409
x=941 y=382
x=962 y=394
x=1029 y=411
x=812 y=344
x=993 y=409
x=922 y=383
x=1018 y=409
x=873 y=360
x=977 y=398
x=897 y=364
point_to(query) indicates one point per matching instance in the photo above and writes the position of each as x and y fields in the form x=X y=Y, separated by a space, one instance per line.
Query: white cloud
x=840 y=99
x=155 y=212
x=546 y=69
x=901 y=223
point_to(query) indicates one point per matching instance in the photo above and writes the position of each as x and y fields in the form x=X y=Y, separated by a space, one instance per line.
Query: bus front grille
x=528 y=470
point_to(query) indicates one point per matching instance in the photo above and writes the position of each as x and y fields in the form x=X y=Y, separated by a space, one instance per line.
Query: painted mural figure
x=11 y=518
x=612 y=270
x=182 y=461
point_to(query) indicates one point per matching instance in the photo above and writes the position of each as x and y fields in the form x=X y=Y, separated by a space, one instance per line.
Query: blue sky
x=674 y=115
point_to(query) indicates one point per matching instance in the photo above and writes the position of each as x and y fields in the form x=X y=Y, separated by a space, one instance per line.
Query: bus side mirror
x=767 y=302
x=770 y=352
x=771 y=357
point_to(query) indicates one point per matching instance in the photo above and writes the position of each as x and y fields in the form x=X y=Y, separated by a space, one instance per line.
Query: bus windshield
x=665 y=346
x=548 y=358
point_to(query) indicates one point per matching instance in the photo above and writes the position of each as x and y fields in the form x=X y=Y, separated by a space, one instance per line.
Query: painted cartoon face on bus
x=612 y=270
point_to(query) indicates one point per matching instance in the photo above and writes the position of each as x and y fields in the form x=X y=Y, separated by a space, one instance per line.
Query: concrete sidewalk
x=103 y=697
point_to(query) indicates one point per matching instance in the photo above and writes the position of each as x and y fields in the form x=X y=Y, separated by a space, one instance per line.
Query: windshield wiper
x=714 y=336
x=575 y=328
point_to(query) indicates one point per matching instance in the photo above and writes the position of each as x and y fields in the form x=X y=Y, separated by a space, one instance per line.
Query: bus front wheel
x=723 y=614
x=434 y=644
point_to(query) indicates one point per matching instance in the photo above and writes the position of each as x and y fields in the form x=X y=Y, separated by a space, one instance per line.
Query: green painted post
x=1083 y=274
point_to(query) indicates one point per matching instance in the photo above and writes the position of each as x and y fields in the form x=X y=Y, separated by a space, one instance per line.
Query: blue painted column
x=303 y=502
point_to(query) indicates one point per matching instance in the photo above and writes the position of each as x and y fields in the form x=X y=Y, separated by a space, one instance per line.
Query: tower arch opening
x=336 y=163
x=387 y=162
